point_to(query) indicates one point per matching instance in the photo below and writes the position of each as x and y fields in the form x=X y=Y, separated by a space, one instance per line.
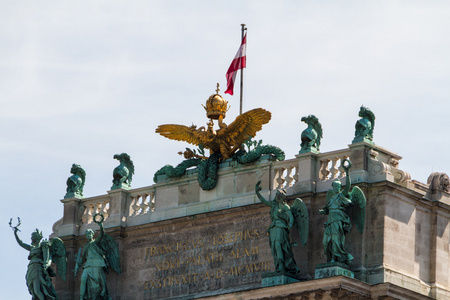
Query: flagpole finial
x=217 y=89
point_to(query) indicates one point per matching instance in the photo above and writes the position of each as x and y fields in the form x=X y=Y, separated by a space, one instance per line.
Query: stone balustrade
x=178 y=197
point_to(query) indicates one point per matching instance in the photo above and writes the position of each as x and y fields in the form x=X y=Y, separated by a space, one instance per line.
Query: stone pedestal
x=73 y=195
x=332 y=269
x=277 y=278
x=122 y=186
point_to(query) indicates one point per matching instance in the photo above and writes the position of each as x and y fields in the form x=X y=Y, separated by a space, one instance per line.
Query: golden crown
x=216 y=106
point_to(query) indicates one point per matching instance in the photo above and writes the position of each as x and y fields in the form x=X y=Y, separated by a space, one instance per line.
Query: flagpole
x=243 y=29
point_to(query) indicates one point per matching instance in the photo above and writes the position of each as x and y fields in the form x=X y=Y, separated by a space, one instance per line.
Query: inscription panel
x=200 y=260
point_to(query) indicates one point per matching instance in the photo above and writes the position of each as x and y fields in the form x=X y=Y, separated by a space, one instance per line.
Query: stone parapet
x=403 y=250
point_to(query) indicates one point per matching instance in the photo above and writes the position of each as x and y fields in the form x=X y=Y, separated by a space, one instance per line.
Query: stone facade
x=178 y=241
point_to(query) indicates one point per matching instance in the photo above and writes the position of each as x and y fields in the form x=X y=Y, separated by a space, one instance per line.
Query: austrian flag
x=237 y=64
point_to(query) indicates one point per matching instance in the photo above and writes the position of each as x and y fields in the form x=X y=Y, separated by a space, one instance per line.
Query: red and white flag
x=238 y=63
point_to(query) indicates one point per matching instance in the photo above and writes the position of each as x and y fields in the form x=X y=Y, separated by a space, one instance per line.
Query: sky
x=83 y=80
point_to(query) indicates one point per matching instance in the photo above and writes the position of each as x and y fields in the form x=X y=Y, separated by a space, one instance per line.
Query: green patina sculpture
x=123 y=174
x=41 y=256
x=208 y=167
x=364 y=126
x=96 y=257
x=312 y=135
x=343 y=206
x=283 y=218
x=75 y=183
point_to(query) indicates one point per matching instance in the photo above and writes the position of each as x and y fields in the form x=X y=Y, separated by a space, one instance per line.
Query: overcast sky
x=83 y=80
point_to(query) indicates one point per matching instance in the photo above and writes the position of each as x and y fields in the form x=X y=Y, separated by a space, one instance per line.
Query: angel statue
x=312 y=135
x=123 y=174
x=364 y=126
x=42 y=254
x=342 y=208
x=75 y=183
x=97 y=256
x=283 y=218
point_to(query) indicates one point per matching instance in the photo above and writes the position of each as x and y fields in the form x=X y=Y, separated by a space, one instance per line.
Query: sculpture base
x=278 y=278
x=332 y=269
x=123 y=186
x=360 y=139
x=73 y=195
x=309 y=150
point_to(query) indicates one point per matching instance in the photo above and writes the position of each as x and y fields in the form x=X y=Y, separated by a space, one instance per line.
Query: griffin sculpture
x=312 y=135
x=228 y=138
x=123 y=173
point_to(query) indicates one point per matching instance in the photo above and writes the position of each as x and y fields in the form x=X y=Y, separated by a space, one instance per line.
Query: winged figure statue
x=343 y=207
x=123 y=173
x=96 y=257
x=312 y=135
x=227 y=139
x=283 y=218
x=39 y=272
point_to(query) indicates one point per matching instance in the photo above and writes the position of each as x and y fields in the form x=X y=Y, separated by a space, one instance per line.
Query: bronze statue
x=364 y=126
x=228 y=138
x=312 y=135
x=41 y=256
x=123 y=173
x=283 y=218
x=75 y=183
x=97 y=256
x=343 y=206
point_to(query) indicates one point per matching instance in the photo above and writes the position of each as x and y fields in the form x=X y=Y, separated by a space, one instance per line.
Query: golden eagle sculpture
x=228 y=138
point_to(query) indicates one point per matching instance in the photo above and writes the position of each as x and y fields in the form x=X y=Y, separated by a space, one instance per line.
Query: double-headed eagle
x=228 y=138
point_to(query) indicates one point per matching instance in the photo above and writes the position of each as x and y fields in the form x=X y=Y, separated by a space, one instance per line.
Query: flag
x=238 y=63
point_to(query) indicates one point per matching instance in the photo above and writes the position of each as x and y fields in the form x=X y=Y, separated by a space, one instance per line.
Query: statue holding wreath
x=96 y=257
x=343 y=207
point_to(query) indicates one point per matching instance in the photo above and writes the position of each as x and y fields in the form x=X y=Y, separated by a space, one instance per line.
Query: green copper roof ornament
x=123 y=174
x=343 y=207
x=364 y=126
x=42 y=254
x=96 y=257
x=75 y=183
x=312 y=135
x=283 y=218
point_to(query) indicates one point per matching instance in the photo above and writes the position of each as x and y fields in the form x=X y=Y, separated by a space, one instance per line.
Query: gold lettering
x=234 y=271
x=266 y=266
x=207 y=276
x=185 y=278
x=219 y=273
x=254 y=250
x=156 y=284
x=249 y=268
x=239 y=270
x=256 y=233
x=170 y=281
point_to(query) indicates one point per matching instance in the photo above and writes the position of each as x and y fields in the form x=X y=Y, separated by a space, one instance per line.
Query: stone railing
x=172 y=198
x=95 y=205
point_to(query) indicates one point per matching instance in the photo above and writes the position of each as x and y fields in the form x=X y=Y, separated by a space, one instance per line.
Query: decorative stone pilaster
x=359 y=158
x=117 y=208
x=307 y=166
x=71 y=221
